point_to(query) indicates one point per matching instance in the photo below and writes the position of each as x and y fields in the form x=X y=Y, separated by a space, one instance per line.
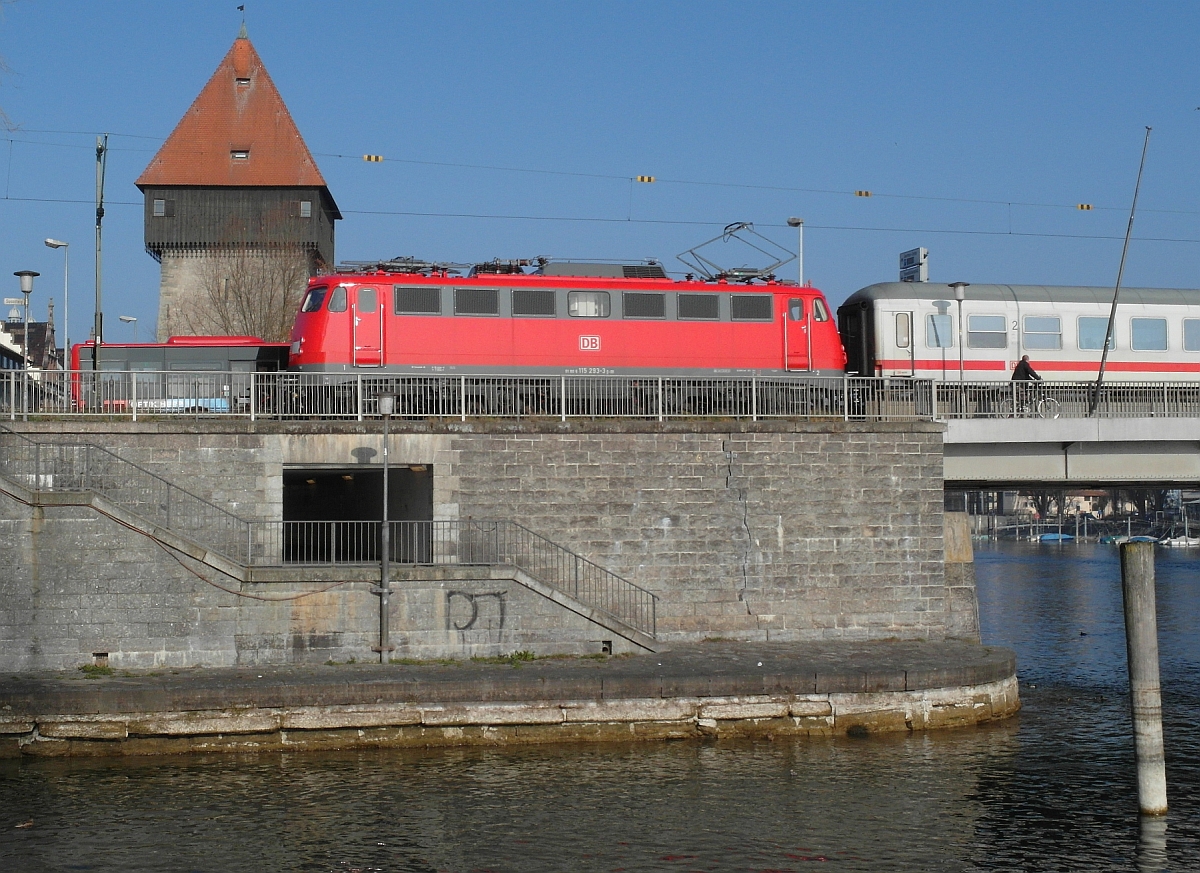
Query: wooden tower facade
x=236 y=211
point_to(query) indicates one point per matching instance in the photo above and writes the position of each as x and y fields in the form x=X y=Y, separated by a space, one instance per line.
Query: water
x=1049 y=790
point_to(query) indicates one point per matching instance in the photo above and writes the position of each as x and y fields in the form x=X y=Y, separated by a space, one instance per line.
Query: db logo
x=589 y=344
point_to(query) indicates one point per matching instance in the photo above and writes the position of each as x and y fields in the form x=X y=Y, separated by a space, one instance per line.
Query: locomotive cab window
x=937 y=332
x=1043 y=332
x=699 y=306
x=1091 y=333
x=1191 y=334
x=1148 y=334
x=588 y=304
x=416 y=300
x=796 y=309
x=368 y=301
x=819 y=310
x=337 y=300
x=750 y=307
x=903 y=330
x=533 y=301
x=987 y=332
x=476 y=301
x=636 y=304
x=314 y=298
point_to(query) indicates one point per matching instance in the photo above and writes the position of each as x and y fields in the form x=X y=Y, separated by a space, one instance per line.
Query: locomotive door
x=797 y=335
x=368 y=328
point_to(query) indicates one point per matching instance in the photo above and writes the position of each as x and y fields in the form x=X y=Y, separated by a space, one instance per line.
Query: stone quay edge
x=714 y=689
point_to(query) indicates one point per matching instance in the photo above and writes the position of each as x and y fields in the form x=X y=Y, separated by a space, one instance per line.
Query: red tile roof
x=239 y=110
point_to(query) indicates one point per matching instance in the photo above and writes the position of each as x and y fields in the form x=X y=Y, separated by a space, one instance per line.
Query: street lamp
x=799 y=223
x=960 y=294
x=387 y=405
x=130 y=319
x=26 y=277
x=59 y=244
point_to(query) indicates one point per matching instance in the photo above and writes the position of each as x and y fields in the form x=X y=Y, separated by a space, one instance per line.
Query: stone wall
x=768 y=531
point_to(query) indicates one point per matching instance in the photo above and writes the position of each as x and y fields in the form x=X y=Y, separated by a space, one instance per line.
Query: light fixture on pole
x=387 y=405
x=960 y=294
x=59 y=244
x=26 y=277
x=130 y=319
x=799 y=223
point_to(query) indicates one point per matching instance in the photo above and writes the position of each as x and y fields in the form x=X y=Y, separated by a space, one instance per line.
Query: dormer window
x=240 y=154
x=242 y=83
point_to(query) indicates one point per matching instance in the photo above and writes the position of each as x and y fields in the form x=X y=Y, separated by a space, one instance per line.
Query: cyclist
x=1024 y=372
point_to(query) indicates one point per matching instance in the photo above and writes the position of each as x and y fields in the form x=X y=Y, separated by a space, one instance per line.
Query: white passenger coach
x=920 y=329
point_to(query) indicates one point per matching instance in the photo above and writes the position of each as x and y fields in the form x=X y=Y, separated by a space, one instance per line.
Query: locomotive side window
x=636 y=304
x=987 y=332
x=476 y=301
x=699 y=306
x=903 y=330
x=420 y=300
x=314 y=298
x=588 y=304
x=533 y=301
x=1042 y=332
x=937 y=332
x=796 y=309
x=820 y=313
x=1148 y=334
x=367 y=301
x=1091 y=333
x=750 y=307
x=337 y=300
x=1191 y=334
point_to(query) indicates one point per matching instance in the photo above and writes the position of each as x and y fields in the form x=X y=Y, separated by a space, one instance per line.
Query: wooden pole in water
x=1145 y=694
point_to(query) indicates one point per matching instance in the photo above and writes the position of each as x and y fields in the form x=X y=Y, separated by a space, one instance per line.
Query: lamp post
x=130 y=319
x=960 y=294
x=59 y=244
x=26 y=277
x=387 y=405
x=799 y=223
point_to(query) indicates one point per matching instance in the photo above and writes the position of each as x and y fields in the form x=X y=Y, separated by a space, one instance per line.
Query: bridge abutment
x=768 y=531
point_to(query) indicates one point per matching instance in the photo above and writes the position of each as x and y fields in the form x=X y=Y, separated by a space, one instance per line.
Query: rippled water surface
x=1049 y=790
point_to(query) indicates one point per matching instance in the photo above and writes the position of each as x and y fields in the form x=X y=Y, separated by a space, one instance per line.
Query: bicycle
x=1026 y=401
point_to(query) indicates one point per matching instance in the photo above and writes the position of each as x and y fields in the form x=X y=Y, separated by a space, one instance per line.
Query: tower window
x=306 y=209
x=240 y=154
x=160 y=208
x=242 y=83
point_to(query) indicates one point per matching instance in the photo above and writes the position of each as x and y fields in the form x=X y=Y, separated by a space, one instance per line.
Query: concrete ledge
x=706 y=690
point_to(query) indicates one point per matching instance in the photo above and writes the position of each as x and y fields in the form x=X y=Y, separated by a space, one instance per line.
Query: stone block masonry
x=768 y=531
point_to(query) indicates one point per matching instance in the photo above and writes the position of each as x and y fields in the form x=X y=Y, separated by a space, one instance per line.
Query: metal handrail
x=1067 y=400
x=469 y=542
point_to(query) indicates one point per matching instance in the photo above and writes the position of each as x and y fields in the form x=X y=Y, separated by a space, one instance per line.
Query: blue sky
x=977 y=126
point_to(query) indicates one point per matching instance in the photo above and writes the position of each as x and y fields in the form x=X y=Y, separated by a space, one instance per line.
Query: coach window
x=636 y=304
x=337 y=300
x=937 y=332
x=1042 y=332
x=533 y=301
x=1148 y=334
x=987 y=332
x=1092 y=329
x=314 y=298
x=1191 y=334
x=418 y=300
x=699 y=306
x=796 y=309
x=588 y=304
x=903 y=330
x=820 y=313
x=476 y=301
x=750 y=307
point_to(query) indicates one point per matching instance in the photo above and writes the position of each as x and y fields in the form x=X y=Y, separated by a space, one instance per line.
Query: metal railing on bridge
x=144 y=393
x=1067 y=399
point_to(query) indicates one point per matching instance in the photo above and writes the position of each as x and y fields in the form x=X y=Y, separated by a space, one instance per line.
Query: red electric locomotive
x=558 y=318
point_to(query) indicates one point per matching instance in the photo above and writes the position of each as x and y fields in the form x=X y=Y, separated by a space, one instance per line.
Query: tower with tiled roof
x=236 y=211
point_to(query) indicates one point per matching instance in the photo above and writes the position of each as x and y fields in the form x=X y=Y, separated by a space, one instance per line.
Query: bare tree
x=249 y=290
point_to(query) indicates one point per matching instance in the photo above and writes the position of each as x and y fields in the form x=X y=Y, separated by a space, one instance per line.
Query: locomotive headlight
x=296 y=345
